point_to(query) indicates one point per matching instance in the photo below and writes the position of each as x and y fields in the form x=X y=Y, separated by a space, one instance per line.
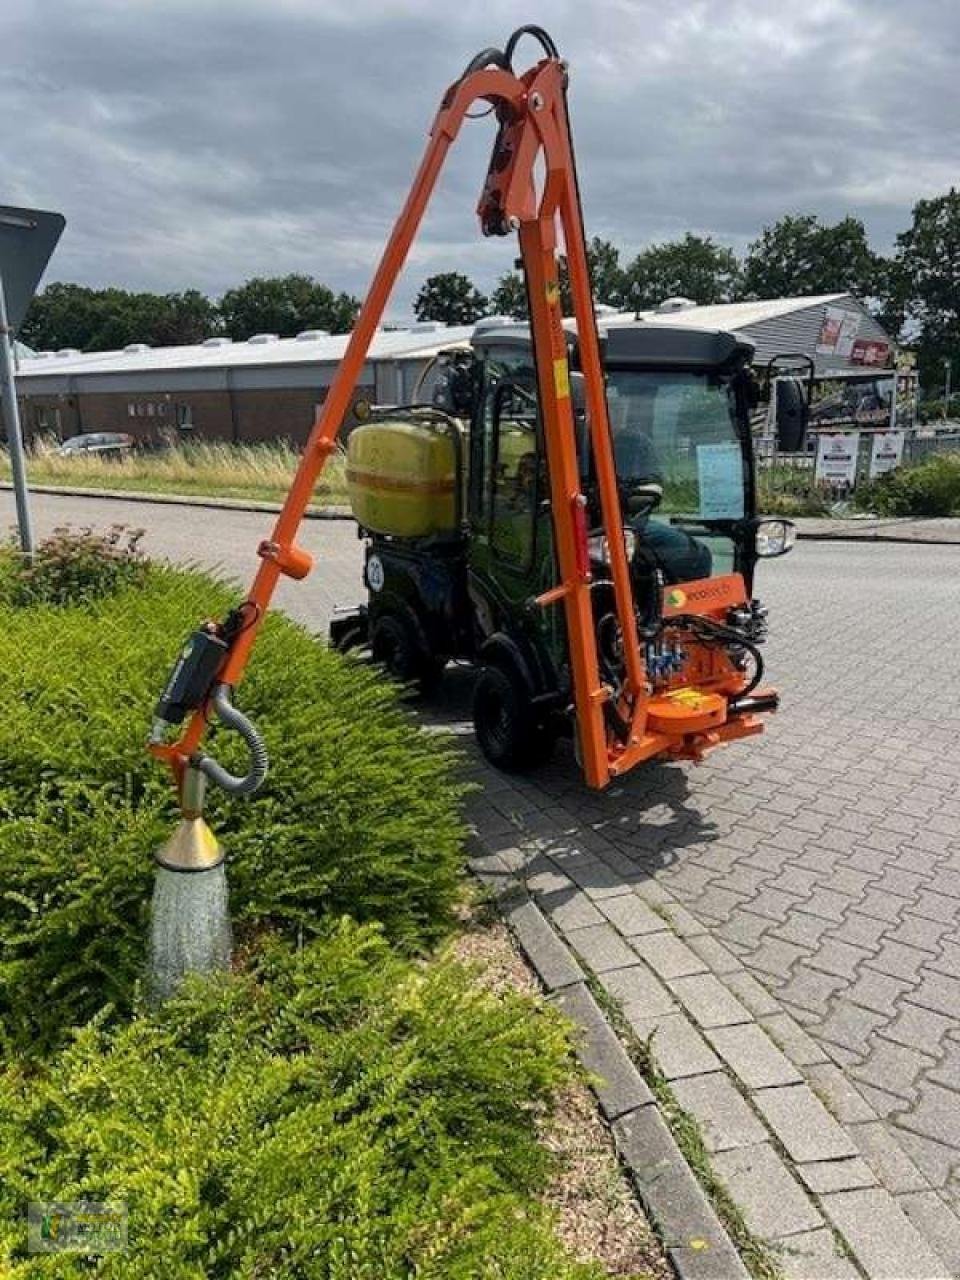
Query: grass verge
x=255 y=472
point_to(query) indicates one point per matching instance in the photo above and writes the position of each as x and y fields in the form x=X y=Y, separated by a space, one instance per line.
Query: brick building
x=267 y=388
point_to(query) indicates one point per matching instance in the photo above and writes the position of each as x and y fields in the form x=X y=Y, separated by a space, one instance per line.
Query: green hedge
x=340 y=1114
x=928 y=488
x=337 y=1108
x=360 y=815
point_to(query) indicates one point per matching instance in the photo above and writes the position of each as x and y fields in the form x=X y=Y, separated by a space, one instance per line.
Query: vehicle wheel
x=355 y=638
x=395 y=644
x=510 y=735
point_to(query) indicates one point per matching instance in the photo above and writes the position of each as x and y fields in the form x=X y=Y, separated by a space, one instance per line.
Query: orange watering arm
x=533 y=140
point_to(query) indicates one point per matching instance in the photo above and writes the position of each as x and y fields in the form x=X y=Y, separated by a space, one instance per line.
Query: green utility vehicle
x=471 y=585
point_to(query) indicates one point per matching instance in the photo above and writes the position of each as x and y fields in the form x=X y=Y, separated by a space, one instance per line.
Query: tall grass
x=260 y=472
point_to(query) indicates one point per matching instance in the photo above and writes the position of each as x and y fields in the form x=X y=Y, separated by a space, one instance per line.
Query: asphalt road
x=825 y=854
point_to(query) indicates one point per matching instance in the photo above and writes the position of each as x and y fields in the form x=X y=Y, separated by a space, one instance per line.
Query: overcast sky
x=195 y=143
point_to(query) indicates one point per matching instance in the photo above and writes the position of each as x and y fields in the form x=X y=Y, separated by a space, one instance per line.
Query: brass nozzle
x=193 y=846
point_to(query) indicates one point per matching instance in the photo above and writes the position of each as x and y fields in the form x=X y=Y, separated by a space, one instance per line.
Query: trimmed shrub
x=338 y=1113
x=360 y=815
x=70 y=567
x=929 y=488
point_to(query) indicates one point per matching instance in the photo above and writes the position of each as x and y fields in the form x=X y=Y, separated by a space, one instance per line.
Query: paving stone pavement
x=807 y=888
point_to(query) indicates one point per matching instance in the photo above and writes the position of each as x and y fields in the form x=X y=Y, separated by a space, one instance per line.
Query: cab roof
x=641 y=344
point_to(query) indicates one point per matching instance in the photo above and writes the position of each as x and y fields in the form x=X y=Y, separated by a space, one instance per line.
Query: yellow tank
x=402 y=478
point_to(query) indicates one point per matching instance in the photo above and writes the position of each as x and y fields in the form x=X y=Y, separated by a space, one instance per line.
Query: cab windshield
x=678 y=432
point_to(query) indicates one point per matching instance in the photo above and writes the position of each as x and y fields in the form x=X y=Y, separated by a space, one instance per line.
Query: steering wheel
x=643 y=499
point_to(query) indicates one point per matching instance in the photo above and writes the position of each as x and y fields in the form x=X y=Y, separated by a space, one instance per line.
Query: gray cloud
x=196 y=144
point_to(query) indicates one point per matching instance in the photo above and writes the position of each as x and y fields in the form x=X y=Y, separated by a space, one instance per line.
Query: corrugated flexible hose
x=234 y=784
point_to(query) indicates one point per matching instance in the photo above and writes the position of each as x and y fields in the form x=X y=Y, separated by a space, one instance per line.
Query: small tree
x=70 y=315
x=285 y=305
x=607 y=277
x=450 y=298
x=694 y=267
x=926 y=286
x=510 y=297
x=800 y=255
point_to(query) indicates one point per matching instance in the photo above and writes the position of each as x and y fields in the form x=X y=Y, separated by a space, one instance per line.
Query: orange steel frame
x=531 y=188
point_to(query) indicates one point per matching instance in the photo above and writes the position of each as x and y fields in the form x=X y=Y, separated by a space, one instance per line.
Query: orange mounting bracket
x=533 y=140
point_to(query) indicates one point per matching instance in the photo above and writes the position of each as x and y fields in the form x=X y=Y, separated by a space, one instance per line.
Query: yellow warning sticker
x=553 y=293
x=561 y=378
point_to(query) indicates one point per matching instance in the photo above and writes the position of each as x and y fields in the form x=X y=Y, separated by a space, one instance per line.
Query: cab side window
x=513 y=472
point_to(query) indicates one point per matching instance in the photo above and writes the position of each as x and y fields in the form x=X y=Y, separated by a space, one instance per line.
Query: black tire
x=508 y=731
x=356 y=638
x=395 y=644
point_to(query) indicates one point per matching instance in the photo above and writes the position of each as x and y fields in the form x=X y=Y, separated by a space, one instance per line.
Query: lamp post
x=11 y=418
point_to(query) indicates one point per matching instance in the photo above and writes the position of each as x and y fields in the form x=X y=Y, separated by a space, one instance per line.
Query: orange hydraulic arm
x=531 y=188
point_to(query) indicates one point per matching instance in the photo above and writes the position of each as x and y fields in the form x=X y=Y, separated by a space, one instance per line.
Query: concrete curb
x=183 y=500
x=694 y=1237
x=738 y=1063
x=872 y=538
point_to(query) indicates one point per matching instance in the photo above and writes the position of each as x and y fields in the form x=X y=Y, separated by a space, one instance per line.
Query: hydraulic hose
x=538 y=33
x=489 y=57
x=252 y=780
x=709 y=631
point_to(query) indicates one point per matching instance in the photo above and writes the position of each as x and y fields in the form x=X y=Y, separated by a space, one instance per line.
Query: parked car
x=99 y=443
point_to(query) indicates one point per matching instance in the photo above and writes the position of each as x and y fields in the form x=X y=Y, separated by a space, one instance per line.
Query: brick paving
x=812 y=877
x=800 y=891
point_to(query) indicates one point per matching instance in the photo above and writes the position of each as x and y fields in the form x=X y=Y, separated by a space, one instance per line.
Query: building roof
x=774 y=325
x=739 y=315
x=418 y=342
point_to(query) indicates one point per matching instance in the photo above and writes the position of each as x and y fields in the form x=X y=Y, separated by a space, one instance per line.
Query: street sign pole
x=11 y=418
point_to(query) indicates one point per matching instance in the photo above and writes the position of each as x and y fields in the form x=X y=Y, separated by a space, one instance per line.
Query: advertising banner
x=886 y=452
x=837 y=459
x=858 y=401
x=870 y=351
x=838 y=332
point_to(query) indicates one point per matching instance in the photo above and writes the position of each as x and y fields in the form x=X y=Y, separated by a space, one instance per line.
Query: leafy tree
x=285 y=305
x=606 y=275
x=799 y=255
x=63 y=315
x=450 y=298
x=925 y=285
x=694 y=267
x=509 y=298
x=71 y=315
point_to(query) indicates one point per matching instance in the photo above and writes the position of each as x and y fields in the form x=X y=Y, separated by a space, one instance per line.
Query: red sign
x=870 y=351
